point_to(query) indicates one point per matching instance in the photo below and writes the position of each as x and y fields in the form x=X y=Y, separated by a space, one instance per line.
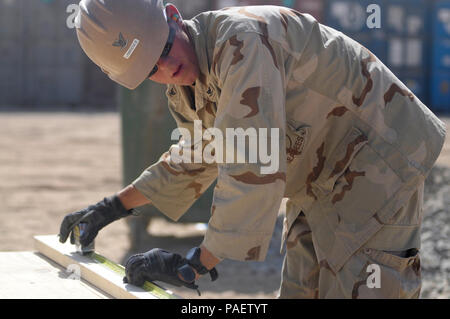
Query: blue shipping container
x=352 y=16
x=441 y=54
x=441 y=19
x=440 y=72
x=407 y=52
x=440 y=91
x=407 y=17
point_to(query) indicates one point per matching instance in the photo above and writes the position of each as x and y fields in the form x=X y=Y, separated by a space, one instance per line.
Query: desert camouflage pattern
x=306 y=275
x=355 y=143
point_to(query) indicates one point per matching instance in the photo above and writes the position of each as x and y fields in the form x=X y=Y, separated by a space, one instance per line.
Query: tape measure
x=120 y=270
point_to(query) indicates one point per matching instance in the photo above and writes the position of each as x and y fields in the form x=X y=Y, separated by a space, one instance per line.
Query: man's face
x=180 y=66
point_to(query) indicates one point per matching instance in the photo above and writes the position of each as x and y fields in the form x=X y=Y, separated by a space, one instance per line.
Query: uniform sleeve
x=178 y=179
x=248 y=193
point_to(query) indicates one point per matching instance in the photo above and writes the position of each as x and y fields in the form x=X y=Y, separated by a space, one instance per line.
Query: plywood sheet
x=30 y=275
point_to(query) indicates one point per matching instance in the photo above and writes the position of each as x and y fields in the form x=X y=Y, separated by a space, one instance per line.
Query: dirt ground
x=55 y=163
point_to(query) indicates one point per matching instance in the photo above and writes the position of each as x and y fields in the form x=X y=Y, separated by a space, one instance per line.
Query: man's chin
x=187 y=81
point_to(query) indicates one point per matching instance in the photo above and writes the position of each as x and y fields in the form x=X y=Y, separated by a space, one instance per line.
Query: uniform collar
x=202 y=91
x=198 y=37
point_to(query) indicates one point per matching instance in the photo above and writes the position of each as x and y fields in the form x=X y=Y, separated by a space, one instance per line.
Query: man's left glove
x=161 y=265
x=95 y=216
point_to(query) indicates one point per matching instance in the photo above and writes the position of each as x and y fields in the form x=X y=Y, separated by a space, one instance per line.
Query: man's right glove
x=95 y=216
x=161 y=265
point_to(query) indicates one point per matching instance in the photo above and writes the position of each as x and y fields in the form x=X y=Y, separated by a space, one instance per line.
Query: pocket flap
x=340 y=158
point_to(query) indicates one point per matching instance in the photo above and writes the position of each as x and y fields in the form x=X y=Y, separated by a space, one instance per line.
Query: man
x=353 y=146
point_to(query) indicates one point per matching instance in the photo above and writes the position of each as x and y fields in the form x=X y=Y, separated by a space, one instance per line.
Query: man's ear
x=173 y=14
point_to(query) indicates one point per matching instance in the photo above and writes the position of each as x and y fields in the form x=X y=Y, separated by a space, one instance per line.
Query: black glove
x=161 y=265
x=95 y=216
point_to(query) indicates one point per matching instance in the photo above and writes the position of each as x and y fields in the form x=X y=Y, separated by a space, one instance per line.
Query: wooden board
x=99 y=274
x=30 y=275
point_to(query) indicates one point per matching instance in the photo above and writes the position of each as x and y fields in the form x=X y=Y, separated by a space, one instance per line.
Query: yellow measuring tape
x=119 y=269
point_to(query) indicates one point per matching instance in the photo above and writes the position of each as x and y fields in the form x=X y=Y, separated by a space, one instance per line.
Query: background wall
x=42 y=64
x=41 y=61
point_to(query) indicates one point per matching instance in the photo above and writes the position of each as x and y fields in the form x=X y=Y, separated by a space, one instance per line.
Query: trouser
x=369 y=273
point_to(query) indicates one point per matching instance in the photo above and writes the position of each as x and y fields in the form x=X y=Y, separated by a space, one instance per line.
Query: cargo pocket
x=389 y=275
x=364 y=188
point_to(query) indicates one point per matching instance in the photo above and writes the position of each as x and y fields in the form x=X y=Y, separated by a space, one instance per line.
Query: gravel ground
x=435 y=252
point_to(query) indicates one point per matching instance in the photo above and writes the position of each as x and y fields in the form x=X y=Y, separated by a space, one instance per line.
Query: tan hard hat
x=125 y=38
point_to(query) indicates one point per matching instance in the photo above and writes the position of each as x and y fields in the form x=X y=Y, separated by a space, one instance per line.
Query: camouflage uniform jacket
x=345 y=123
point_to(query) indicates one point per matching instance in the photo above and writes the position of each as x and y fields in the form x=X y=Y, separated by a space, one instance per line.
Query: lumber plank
x=96 y=273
